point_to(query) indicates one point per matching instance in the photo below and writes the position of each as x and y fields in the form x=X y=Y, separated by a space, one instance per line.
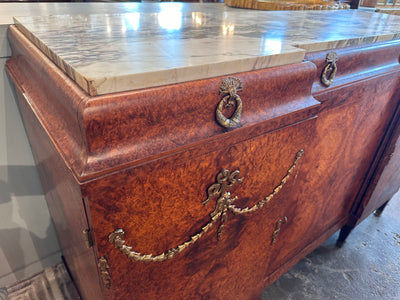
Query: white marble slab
x=119 y=52
x=8 y=10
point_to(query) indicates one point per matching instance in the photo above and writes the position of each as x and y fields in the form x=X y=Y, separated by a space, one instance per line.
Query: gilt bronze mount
x=224 y=204
x=278 y=229
x=104 y=273
x=228 y=89
x=329 y=72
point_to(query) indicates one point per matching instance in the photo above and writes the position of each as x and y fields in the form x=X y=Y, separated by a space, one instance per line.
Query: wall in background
x=27 y=238
x=28 y=242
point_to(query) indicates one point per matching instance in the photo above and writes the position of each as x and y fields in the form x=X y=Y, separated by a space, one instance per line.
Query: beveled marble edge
x=291 y=53
x=102 y=85
x=312 y=47
x=94 y=85
x=68 y=69
x=99 y=86
x=10 y=9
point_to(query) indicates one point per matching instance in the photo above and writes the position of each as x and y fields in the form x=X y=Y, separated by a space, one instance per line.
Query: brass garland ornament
x=329 y=72
x=228 y=89
x=224 y=181
x=105 y=275
x=278 y=229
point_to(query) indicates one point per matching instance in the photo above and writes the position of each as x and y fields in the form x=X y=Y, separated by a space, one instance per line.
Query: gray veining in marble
x=8 y=10
x=107 y=53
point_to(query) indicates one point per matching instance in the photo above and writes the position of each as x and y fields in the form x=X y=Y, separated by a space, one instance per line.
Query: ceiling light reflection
x=228 y=29
x=132 y=20
x=170 y=20
x=272 y=46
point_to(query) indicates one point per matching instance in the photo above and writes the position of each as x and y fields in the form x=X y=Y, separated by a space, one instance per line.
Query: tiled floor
x=367 y=267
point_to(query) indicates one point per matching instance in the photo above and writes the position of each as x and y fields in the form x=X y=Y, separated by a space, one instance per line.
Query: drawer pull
x=229 y=88
x=329 y=73
x=278 y=229
x=225 y=180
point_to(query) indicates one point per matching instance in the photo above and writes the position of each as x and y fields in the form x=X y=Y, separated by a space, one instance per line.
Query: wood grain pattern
x=356 y=63
x=54 y=100
x=107 y=133
x=349 y=129
x=382 y=180
x=386 y=180
x=377 y=99
x=143 y=161
x=311 y=206
x=171 y=118
x=100 y=59
x=159 y=206
x=64 y=200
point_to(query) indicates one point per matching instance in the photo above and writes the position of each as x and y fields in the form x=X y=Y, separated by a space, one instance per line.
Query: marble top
x=10 y=9
x=107 y=53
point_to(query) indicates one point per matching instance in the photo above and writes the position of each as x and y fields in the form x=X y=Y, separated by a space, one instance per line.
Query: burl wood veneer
x=144 y=160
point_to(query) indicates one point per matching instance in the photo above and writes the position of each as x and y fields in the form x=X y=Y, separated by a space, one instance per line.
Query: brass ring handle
x=229 y=87
x=224 y=203
x=329 y=72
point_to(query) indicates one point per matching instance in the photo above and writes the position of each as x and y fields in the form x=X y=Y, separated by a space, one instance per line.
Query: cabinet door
x=357 y=109
x=349 y=129
x=384 y=179
x=160 y=205
x=370 y=105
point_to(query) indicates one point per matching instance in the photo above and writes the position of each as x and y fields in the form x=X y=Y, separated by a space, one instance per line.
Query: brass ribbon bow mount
x=225 y=180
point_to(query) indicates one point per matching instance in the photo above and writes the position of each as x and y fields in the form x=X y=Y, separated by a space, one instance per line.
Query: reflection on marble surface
x=117 y=52
x=8 y=9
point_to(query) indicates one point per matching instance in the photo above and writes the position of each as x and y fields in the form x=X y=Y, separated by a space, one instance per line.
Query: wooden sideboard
x=163 y=192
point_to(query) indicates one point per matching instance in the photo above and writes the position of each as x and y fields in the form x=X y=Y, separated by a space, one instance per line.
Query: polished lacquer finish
x=183 y=196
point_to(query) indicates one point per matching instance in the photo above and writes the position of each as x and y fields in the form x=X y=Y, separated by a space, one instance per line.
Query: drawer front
x=102 y=134
x=160 y=205
x=126 y=128
x=351 y=64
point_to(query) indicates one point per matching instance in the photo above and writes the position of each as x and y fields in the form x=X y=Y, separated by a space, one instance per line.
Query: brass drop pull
x=229 y=88
x=224 y=205
x=329 y=73
x=278 y=229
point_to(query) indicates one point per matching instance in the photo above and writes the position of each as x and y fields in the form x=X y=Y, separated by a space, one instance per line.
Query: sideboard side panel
x=64 y=200
x=54 y=99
